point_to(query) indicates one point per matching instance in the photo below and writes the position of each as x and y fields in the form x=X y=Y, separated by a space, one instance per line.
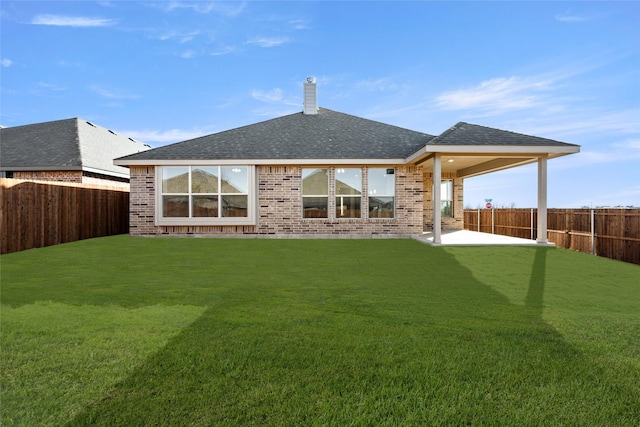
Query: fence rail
x=610 y=233
x=38 y=214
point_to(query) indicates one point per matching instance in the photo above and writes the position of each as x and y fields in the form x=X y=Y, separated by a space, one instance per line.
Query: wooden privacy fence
x=38 y=214
x=610 y=233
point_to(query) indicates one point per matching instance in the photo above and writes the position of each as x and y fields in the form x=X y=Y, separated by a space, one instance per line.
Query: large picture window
x=348 y=192
x=446 y=198
x=315 y=193
x=382 y=192
x=205 y=195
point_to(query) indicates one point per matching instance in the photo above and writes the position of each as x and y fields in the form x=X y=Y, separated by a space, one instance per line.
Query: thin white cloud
x=300 y=24
x=577 y=122
x=50 y=86
x=188 y=54
x=497 y=95
x=64 y=63
x=205 y=7
x=270 y=96
x=71 y=21
x=181 y=37
x=160 y=137
x=225 y=50
x=113 y=94
x=378 y=85
x=572 y=17
x=275 y=97
x=6 y=62
x=269 y=41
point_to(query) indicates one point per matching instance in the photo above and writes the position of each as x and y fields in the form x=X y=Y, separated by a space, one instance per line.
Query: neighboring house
x=71 y=150
x=321 y=173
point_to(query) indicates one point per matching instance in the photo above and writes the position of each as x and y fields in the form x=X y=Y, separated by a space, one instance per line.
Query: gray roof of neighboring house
x=469 y=134
x=70 y=144
x=326 y=135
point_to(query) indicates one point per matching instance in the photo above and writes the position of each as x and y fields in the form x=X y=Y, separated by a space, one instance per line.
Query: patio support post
x=542 y=200
x=437 y=179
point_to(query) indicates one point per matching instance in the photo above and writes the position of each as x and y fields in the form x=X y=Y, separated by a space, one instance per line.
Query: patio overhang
x=467 y=161
x=464 y=161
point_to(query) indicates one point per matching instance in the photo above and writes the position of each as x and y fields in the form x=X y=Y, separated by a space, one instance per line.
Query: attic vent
x=310 y=96
x=91 y=124
x=112 y=132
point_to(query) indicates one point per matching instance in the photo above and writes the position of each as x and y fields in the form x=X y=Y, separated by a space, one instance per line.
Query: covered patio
x=466 y=150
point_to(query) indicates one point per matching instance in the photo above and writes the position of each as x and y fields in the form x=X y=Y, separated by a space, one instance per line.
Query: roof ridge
x=39 y=123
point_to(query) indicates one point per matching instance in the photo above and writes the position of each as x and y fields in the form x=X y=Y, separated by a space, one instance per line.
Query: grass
x=123 y=331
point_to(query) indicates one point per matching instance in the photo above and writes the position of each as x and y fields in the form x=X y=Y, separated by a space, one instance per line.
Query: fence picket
x=611 y=233
x=36 y=214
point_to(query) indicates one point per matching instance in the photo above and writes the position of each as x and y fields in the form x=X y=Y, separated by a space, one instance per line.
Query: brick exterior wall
x=57 y=176
x=105 y=182
x=68 y=176
x=280 y=208
x=455 y=223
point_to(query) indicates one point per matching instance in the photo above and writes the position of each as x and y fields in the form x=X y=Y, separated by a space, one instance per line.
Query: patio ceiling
x=465 y=165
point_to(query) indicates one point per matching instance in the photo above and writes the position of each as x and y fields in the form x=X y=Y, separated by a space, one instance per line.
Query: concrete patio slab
x=475 y=238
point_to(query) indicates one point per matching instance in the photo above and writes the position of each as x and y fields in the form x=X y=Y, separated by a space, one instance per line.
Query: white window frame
x=250 y=219
x=303 y=196
x=370 y=194
x=336 y=196
x=443 y=200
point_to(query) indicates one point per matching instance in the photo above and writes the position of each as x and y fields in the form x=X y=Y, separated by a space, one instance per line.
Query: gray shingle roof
x=70 y=144
x=326 y=135
x=469 y=134
x=41 y=145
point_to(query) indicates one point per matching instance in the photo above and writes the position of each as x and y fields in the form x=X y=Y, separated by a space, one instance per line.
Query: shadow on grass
x=535 y=293
x=409 y=337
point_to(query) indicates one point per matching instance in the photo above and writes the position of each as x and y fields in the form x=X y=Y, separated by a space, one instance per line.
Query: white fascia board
x=499 y=149
x=105 y=172
x=201 y=162
x=552 y=150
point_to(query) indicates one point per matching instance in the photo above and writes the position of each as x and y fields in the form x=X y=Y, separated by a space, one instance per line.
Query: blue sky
x=166 y=71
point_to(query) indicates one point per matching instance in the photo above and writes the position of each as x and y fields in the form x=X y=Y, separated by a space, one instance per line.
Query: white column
x=437 y=180
x=542 y=200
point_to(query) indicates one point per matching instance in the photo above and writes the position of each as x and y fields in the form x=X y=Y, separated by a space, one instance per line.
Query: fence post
x=593 y=229
x=531 y=223
x=493 y=222
x=478 y=220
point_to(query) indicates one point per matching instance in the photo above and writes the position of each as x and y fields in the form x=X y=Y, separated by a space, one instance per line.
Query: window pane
x=348 y=181
x=175 y=179
x=446 y=190
x=234 y=179
x=204 y=179
x=381 y=207
x=445 y=209
x=205 y=206
x=175 y=206
x=234 y=206
x=315 y=207
x=315 y=182
x=347 y=207
x=382 y=183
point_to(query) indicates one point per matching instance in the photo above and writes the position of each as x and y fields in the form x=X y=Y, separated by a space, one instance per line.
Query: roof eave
x=550 y=150
x=186 y=162
x=39 y=168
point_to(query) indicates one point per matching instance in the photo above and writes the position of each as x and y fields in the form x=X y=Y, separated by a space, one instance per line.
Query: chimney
x=310 y=97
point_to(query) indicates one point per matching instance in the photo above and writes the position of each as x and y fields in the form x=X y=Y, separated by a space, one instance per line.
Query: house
x=71 y=150
x=322 y=173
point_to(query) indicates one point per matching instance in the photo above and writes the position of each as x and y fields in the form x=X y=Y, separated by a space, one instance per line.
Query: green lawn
x=124 y=331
